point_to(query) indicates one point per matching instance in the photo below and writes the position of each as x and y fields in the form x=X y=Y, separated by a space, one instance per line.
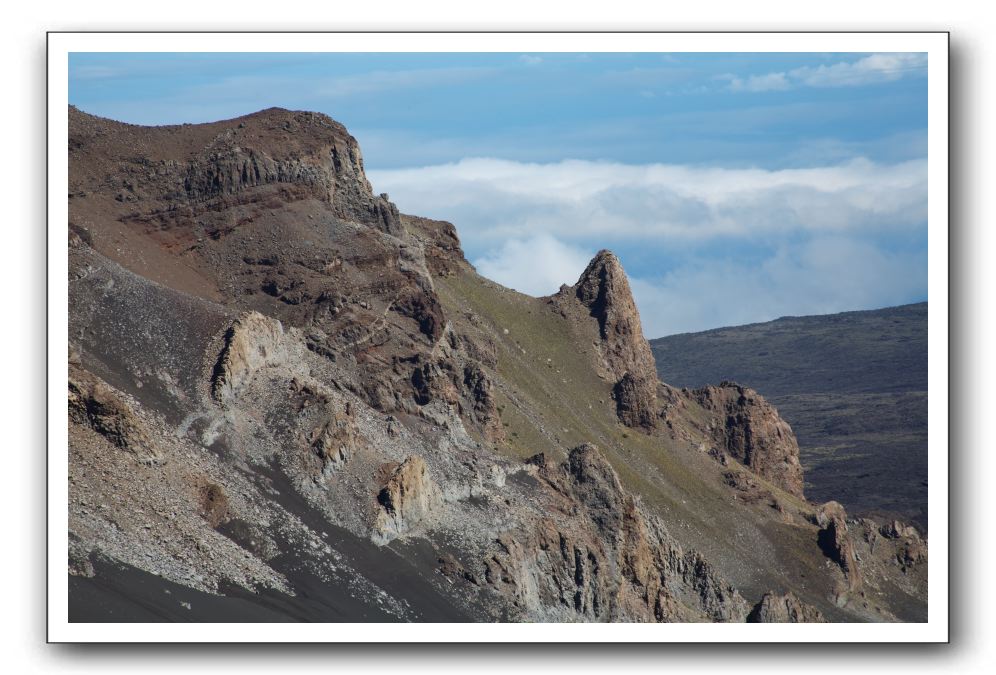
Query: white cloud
x=531 y=60
x=709 y=246
x=824 y=275
x=536 y=266
x=494 y=200
x=872 y=69
x=868 y=70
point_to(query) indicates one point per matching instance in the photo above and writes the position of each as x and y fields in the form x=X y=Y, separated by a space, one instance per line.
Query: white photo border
x=935 y=44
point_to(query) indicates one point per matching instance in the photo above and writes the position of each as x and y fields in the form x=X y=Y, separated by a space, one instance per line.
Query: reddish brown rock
x=604 y=291
x=419 y=302
x=443 y=254
x=750 y=430
x=835 y=541
x=785 y=608
x=435 y=379
x=214 y=504
x=623 y=352
x=636 y=401
x=96 y=404
x=477 y=385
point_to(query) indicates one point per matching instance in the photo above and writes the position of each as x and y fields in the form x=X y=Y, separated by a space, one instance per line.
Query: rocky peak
x=308 y=150
x=604 y=290
x=303 y=154
x=624 y=354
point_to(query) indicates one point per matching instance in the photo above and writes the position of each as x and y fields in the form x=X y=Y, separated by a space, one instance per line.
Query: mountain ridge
x=788 y=317
x=302 y=359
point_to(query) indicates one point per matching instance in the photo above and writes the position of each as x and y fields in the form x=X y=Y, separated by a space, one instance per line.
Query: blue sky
x=734 y=187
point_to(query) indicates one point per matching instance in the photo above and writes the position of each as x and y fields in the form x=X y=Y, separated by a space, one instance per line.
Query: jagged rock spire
x=604 y=290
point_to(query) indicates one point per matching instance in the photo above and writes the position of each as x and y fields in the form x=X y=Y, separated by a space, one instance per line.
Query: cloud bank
x=535 y=266
x=493 y=200
x=821 y=276
x=704 y=247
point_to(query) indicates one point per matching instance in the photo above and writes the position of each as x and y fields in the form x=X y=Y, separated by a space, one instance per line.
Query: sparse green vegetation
x=672 y=478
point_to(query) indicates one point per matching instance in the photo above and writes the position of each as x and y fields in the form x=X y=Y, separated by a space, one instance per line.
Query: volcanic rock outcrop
x=604 y=290
x=96 y=404
x=613 y=564
x=623 y=352
x=751 y=431
x=409 y=498
x=252 y=343
x=335 y=441
x=836 y=542
x=783 y=609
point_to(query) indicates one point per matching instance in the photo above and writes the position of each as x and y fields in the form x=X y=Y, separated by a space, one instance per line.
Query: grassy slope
x=552 y=399
x=853 y=386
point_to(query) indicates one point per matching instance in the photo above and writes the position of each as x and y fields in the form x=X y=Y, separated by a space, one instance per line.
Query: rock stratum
x=290 y=401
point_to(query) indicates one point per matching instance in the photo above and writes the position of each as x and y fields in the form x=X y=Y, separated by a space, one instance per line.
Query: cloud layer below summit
x=729 y=245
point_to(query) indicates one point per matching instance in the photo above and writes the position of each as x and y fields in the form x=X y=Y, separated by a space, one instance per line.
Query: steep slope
x=293 y=400
x=853 y=386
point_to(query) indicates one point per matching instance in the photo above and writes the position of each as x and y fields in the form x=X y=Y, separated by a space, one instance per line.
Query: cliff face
x=740 y=422
x=252 y=343
x=613 y=562
x=752 y=432
x=294 y=155
x=278 y=382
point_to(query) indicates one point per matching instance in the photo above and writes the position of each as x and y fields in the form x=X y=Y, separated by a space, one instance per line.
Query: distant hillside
x=852 y=385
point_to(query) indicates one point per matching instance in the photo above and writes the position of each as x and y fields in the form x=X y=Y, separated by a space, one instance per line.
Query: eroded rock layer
x=289 y=401
x=750 y=430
